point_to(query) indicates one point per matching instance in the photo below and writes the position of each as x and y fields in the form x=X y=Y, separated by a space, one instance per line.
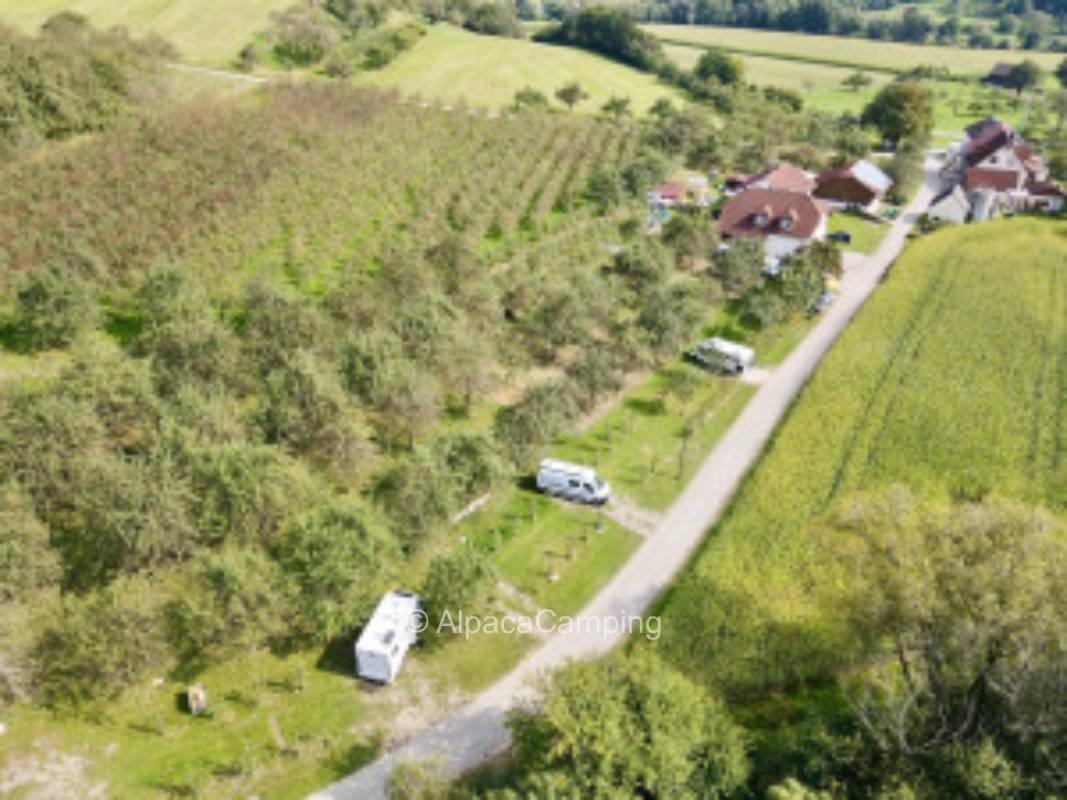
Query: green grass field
x=639 y=446
x=949 y=382
x=866 y=235
x=819 y=84
x=892 y=56
x=204 y=31
x=486 y=71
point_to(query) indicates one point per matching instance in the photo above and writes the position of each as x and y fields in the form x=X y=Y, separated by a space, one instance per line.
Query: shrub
x=52 y=307
x=333 y=556
x=236 y=601
x=94 y=646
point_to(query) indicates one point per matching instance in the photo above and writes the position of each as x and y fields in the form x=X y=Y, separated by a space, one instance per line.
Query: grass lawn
x=771 y=344
x=204 y=31
x=866 y=235
x=852 y=52
x=280 y=726
x=638 y=446
x=257 y=738
x=819 y=84
x=556 y=553
x=487 y=71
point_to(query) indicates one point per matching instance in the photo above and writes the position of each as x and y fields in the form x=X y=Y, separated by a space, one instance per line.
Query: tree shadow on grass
x=339 y=655
x=646 y=406
x=347 y=759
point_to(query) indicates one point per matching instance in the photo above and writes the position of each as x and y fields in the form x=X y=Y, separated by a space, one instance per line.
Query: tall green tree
x=721 y=66
x=961 y=624
x=1026 y=75
x=630 y=725
x=901 y=110
x=571 y=94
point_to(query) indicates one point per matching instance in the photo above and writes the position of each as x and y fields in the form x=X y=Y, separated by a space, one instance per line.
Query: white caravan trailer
x=381 y=648
x=723 y=355
x=572 y=481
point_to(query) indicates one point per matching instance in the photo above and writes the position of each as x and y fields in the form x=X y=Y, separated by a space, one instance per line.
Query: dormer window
x=786 y=222
x=759 y=219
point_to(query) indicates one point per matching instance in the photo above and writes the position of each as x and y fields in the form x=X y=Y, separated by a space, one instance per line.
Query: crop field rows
x=373 y=193
x=949 y=382
x=885 y=392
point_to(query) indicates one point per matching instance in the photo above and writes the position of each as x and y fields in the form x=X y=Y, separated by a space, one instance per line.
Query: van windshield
x=599 y=484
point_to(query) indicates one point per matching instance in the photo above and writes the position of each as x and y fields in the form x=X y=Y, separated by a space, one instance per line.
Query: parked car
x=820 y=303
x=572 y=481
x=722 y=355
x=842 y=237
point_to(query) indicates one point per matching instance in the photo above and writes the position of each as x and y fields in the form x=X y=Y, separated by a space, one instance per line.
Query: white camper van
x=723 y=356
x=381 y=648
x=572 y=481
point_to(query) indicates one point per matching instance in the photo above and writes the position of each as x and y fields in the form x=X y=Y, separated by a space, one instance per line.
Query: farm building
x=783 y=220
x=997 y=172
x=951 y=205
x=999 y=75
x=783 y=178
x=859 y=184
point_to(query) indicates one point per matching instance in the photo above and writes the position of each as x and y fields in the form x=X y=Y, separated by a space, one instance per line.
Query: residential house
x=951 y=205
x=1000 y=75
x=669 y=195
x=784 y=220
x=857 y=185
x=784 y=178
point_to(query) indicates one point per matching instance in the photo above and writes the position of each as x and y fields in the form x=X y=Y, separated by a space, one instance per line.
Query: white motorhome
x=572 y=481
x=381 y=648
x=723 y=355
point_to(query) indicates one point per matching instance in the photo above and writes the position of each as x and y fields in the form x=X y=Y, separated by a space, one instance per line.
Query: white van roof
x=726 y=347
x=388 y=621
x=552 y=465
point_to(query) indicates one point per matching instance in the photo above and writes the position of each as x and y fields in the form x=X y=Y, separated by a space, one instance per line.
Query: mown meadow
x=949 y=383
x=846 y=52
x=204 y=32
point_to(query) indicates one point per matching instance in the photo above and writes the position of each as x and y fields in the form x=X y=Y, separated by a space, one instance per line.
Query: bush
x=27 y=562
x=95 y=646
x=543 y=413
x=456 y=582
x=303 y=34
x=51 y=307
x=610 y=32
x=333 y=557
x=494 y=18
x=236 y=601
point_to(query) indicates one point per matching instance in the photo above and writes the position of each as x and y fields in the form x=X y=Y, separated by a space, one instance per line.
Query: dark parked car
x=844 y=237
x=821 y=302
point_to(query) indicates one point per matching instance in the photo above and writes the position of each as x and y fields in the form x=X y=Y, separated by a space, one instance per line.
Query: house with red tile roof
x=783 y=220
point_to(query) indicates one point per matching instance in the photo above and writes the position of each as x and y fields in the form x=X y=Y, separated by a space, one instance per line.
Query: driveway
x=476 y=731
